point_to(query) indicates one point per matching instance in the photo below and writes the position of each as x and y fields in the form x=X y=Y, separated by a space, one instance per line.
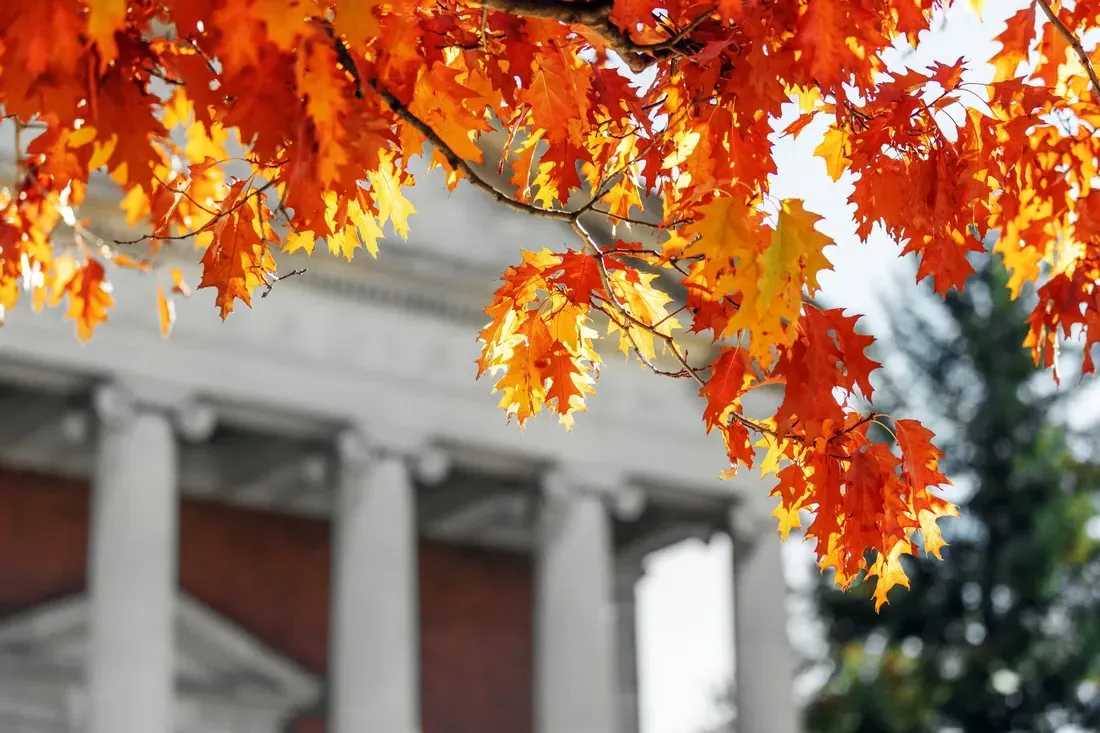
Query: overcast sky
x=685 y=598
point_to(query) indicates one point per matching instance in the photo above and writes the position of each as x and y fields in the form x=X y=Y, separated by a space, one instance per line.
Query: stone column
x=132 y=572
x=763 y=659
x=627 y=575
x=576 y=685
x=374 y=667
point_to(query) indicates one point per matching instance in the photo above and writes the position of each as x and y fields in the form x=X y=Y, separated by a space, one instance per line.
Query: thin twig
x=1074 y=43
x=185 y=194
x=669 y=341
x=459 y=163
x=221 y=215
x=269 y=284
x=630 y=220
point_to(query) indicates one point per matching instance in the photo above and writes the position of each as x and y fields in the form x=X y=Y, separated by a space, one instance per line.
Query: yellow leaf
x=81 y=137
x=101 y=152
x=522 y=384
x=177 y=110
x=285 y=20
x=357 y=22
x=635 y=291
x=104 y=18
x=1022 y=262
x=795 y=254
x=179 y=287
x=299 y=240
x=392 y=204
x=807 y=97
x=166 y=310
x=774 y=454
x=834 y=151
x=727 y=229
x=888 y=570
x=357 y=229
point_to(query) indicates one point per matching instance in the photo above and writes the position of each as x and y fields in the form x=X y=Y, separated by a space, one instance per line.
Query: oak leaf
x=249 y=129
x=89 y=298
x=238 y=259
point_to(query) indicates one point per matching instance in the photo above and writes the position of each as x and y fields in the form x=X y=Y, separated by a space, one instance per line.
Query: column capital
x=116 y=403
x=359 y=446
x=76 y=426
x=195 y=419
x=612 y=485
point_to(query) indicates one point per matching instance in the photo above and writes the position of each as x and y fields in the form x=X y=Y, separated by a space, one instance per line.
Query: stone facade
x=312 y=512
x=268 y=574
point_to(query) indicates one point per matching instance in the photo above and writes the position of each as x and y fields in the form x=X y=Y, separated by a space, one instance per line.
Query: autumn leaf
x=105 y=17
x=580 y=274
x=522 y=390
x=730 y=375
x=237 y=130
x=834 y=150
x=89 y=298
x=392 y=205
x=920 y=456
x=795 y=253
x=357 y=21
x=166 y=310
x=645 y=316
x=238 y=259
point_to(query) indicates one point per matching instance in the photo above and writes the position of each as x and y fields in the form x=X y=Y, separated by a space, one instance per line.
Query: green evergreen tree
x=1003 y=634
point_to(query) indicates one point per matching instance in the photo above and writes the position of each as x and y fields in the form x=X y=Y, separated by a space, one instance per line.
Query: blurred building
x=312 y=517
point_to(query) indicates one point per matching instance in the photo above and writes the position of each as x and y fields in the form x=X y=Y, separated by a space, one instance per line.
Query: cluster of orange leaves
x=321 y=104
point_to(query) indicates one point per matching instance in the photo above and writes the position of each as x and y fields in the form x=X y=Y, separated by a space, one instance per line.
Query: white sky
x=685 y=599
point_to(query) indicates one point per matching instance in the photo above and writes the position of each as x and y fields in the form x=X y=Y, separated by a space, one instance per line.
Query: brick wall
x=269 y=573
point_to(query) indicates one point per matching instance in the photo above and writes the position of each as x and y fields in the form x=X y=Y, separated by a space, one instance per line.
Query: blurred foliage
x=1004 y=634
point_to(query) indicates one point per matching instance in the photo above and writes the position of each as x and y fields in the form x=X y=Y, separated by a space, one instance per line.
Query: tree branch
x=459 y=163
x=596 y=16
x=456 y=161
x=1074 y=43
x=255 y=193
x=614 y=301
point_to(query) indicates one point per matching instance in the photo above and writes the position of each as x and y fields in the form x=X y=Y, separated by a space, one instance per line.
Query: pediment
x=215 y=657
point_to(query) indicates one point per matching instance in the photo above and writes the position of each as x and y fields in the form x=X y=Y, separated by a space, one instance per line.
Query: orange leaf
x=89 y=298
x=166 y=310
x=238 y=259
